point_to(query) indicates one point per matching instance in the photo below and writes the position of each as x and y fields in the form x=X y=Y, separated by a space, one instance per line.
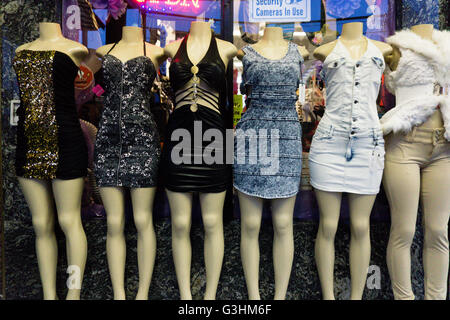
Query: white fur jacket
x=422 y=62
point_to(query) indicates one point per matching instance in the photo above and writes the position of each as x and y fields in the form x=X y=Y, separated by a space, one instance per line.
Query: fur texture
x=418 y=109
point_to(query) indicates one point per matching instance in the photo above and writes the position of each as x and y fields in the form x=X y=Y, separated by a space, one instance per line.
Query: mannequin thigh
x=402 y=186
x=329 y=209
x=68 y=195
x=113 y=199
x=142 y=200
x=435 y=196
x=39 y=197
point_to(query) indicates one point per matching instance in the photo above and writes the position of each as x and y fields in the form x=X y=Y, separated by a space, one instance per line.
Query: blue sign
x=280 y=10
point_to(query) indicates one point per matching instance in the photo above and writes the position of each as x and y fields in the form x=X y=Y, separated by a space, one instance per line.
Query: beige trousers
x=418 y=167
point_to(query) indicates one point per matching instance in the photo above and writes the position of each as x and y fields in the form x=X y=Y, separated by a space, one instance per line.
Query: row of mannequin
x=67 y=193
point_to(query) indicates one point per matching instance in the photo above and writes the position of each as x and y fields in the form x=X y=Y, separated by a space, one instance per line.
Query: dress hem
x=265 y=197
x=316 y=186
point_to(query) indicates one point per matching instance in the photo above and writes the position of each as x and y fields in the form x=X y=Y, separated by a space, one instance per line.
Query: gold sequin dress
x=50 y=142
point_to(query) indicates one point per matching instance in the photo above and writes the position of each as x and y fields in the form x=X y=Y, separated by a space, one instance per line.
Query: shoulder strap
x=143 y=40
x=111 y=48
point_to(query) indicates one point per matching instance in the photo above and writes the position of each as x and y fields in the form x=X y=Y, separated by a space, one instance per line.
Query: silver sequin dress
x=127 y=148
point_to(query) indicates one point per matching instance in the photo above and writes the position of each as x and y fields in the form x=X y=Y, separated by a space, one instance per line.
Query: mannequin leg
x=283 y=243
x=360 y=209
x=212 y=215
x=251 y=213
x=181 y=212
x=436 y=212
x=329 y=209
x=402 y=185
x=67 y=195
x=114 y=203
x=142 y=199
x=38 y=194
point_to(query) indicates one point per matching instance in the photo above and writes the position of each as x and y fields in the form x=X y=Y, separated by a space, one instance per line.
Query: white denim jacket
x=352 y=88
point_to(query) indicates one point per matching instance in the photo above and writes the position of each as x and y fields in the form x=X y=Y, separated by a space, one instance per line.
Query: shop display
x=51 y=155
x=127 y=152
x=199 y=89
x=199 y=96
x=347 y=151
x=418 y=157
x=127 y=147
x=203 y=112
x=270 y=83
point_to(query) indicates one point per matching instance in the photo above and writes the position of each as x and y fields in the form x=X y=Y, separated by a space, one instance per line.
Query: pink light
x=165 y=5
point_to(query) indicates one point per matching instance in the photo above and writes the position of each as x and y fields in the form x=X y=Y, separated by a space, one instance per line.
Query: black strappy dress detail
x=193 y=173
x=127 y=148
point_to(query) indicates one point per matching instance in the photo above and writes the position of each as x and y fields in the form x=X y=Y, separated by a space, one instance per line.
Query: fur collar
x=438 y=50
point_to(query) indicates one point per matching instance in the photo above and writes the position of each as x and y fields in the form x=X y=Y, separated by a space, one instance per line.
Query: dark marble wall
x=420 y=12
x=18 y=22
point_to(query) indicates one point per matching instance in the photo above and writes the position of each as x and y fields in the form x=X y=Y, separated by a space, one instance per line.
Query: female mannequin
x=251 y=199
x=194 y=49
x=357 y=48
x=134 y=55
x=418 y=157
x=40 y=187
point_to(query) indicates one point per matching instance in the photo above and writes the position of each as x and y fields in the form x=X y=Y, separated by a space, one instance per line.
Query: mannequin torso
x=51 y=38
x=132 y=46
x=200 y=39
x=271 y=43
x=199 y=36
x=353 y=39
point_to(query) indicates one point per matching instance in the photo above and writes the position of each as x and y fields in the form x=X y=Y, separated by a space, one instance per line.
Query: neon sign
x=168 y=6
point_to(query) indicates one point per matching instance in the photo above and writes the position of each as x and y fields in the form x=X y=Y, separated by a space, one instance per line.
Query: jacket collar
x=437 y=49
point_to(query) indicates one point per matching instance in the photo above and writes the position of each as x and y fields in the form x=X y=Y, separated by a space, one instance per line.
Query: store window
x=95 y=23
x=309 y=24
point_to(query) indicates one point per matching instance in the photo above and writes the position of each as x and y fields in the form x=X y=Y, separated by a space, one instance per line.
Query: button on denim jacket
x=352 y=88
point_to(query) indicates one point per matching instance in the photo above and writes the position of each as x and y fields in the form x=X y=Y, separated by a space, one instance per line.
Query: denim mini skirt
x=343 y=161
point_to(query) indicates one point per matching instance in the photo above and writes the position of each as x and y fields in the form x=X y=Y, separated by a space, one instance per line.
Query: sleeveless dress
x=268 y=145
x=185 y=168
x=50 y=142
x=127 y=148
x=347 y=150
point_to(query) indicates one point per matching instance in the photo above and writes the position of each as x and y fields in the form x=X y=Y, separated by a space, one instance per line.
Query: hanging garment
x=423 y=68
x=50 y=143
x=347 y=151
x=194 y=85
x=127 y=149
x=268 y=145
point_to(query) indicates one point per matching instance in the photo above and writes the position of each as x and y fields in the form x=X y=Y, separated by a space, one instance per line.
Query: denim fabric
x=339 y=162
x=270 y=119
x=352 y=87
x=347 y=151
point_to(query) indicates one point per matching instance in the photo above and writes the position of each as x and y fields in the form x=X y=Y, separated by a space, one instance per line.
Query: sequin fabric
x=127 y=148
x=37 y=115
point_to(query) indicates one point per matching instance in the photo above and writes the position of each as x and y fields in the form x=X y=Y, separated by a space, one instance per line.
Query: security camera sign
x=280 y=10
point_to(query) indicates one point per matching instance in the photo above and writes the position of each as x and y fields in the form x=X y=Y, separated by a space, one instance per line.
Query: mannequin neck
x=273 y=35
x=132 y=35
x=200 y=30
x=49 y=31
x=423 y=30
x=352 y=31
